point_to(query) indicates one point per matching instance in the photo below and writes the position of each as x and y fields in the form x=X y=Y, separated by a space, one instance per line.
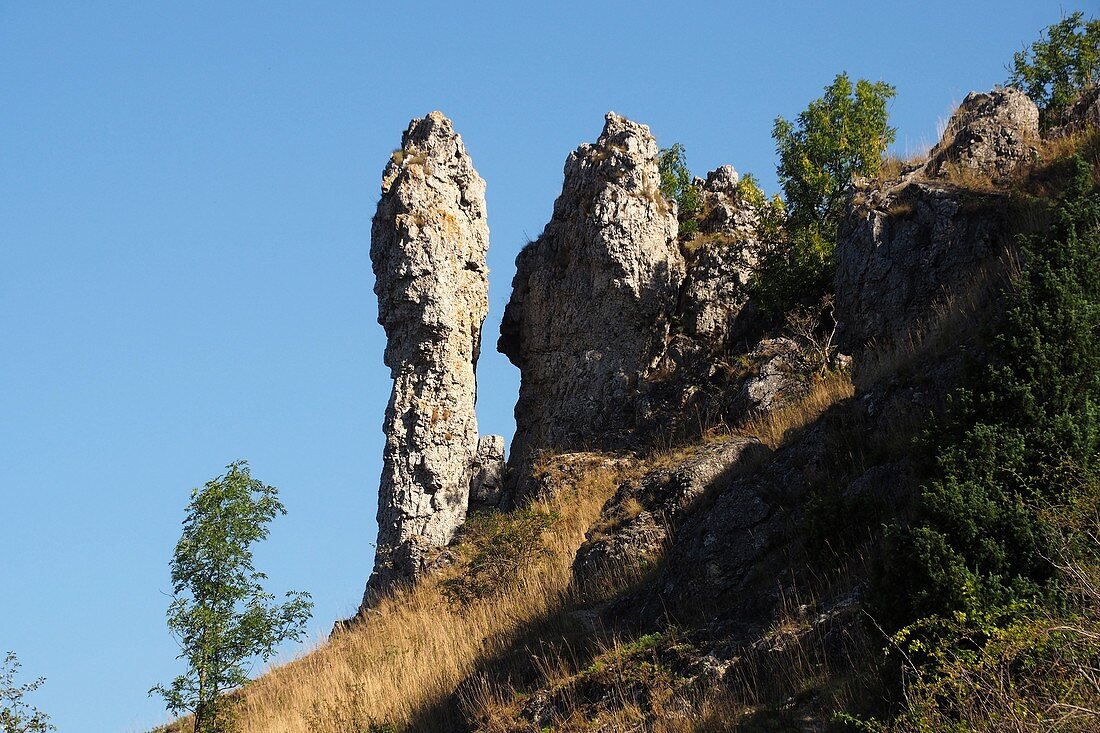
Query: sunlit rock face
x=428 y=245
x=591 y=299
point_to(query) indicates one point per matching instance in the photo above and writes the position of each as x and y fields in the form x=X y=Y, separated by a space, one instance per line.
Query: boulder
x=989 y=135
x=777 y=375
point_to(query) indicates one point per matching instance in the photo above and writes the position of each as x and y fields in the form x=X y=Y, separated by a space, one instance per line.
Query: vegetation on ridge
x=1055 y=68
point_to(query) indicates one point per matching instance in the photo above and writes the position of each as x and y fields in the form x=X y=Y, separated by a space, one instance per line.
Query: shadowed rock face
x=591 y=299
x=904 y=251
x=428 y=245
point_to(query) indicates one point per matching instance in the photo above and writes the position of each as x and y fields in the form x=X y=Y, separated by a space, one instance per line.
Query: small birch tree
x=220 y=614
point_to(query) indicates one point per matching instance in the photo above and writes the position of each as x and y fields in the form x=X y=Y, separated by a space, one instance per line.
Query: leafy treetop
x=1055 y=68
x=838 y=136
x=220 y=613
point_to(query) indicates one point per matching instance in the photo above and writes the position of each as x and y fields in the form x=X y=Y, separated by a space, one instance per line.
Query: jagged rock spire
x=591 y=298
x=428 y=245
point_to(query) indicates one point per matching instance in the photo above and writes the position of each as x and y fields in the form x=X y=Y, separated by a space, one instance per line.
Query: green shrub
x=676 y=186
x=1024 y=436
x=499 y=545
x=974 y=581
x=770 y=213
x=838 y=136
x=1064 y=60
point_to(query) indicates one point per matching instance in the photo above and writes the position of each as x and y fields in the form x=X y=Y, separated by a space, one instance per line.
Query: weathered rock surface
x=724 y=211
x=776 y=378
x=1083 y=114
x=713 y=294
x=591 y=299
x=990 y=134
x=904 y=250
x=428 y=245
x=718 y=270
x=637 y=521
x=487 y=472
x=748 y=550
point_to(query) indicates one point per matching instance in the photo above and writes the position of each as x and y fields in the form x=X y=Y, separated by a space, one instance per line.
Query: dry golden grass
x=810 y=663
x=402 y=666
x=892 y=166
x=775 y=427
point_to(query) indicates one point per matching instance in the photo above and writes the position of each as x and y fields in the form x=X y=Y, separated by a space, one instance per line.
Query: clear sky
x=185 y=200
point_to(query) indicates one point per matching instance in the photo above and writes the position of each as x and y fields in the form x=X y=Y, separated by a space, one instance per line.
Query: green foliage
x=17 y=716
x=220 y=614
x=1024 y=437
x=500 y=545
x=676 y=186
x=793 y=271
x=1064 y=60
x=771 y=214
x=974 y=580
x=838 y=136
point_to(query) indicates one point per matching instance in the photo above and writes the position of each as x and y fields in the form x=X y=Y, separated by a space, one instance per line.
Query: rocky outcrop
x=989 y=135
x=487 y=472
x=719 y=264
x=637 y=521
x=724 y=211
x=778 y=375
x=714 y=294
x=1081 y=115
x=591 y=299
x=904 y=250
x=428 y=245
x=749 y=549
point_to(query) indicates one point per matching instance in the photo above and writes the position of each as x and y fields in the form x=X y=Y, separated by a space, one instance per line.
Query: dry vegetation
x=776 y=427
x=406 y=665
x=400 y=669
x=812 y=661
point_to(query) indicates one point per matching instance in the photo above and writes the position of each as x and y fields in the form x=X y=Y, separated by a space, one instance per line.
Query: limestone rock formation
x=428 y=245
x=487 y=472
x=591 y=299
x=718 y=270
x=906 y=249
x=636 y=523
x=988 y=135
x=775 y=378
x=714 y=293
x=723 y=209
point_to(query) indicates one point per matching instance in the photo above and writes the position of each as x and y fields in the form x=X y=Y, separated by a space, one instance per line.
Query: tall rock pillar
x=428 y=245
x=591 y=299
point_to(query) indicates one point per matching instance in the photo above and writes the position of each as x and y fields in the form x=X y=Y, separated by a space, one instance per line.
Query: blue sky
x=185 y=201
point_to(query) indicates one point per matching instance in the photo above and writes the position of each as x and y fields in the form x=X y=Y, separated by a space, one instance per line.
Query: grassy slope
x=425 y=663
